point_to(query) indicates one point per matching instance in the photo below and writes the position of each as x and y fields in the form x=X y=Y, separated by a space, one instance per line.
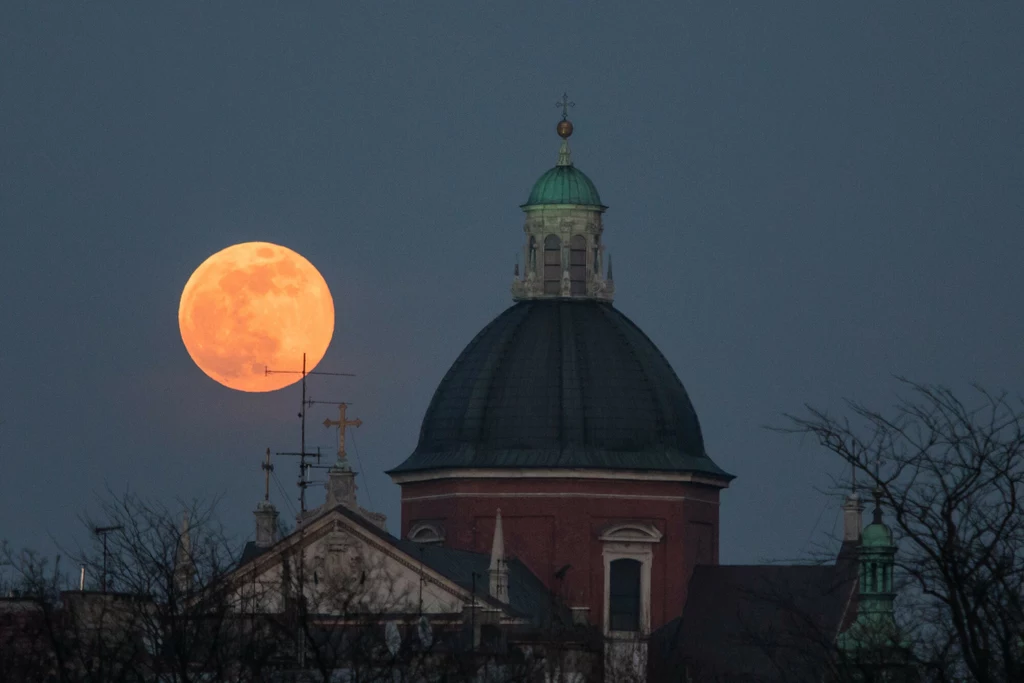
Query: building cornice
x=554 y=494
x=596 y=208
x=527 y=473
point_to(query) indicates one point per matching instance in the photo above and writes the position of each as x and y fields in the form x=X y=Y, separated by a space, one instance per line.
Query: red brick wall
x=551 y=522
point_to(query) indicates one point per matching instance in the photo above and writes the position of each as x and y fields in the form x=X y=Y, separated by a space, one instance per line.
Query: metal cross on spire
x=564 y=103
x=342 y=424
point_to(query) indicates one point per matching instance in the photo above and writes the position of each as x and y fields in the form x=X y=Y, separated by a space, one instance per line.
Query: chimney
x=852 y=524
x=499 y=568
x=266 y=524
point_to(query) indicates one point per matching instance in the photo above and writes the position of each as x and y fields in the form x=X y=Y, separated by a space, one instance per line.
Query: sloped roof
x=755 y=623
x=251 y=551
x=528 y=597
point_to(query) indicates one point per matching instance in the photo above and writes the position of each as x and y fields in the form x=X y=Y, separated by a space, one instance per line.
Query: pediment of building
x=339 y=556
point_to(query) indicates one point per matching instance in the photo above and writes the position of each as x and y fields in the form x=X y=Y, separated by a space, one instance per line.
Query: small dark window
x=578 y=264
x=624 y=596
x=552 y=265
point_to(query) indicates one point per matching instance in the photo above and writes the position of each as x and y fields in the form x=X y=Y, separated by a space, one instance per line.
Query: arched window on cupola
x=578 y=265
x=624 y=595
x=552 y=265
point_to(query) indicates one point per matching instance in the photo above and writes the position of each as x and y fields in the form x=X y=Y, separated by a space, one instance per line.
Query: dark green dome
x=561 y=383
x=564 y=184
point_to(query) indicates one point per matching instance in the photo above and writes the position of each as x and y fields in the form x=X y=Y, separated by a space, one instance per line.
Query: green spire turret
x=875 y=626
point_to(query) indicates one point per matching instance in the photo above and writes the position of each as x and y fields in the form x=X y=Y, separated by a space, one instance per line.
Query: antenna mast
x=303 y=454
x=267 y=469
x=102 y=532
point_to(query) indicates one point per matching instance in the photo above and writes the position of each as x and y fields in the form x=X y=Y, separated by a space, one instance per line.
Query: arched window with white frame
x=628 y=552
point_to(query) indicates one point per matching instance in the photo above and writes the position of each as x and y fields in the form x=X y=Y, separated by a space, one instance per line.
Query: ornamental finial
x=564 y=126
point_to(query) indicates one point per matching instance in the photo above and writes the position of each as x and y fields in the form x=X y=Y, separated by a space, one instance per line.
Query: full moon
x=255 y=306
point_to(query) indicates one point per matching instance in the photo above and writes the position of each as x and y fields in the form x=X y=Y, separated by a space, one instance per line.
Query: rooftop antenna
x=304 y=467
x=303 y=454
x=102 y=532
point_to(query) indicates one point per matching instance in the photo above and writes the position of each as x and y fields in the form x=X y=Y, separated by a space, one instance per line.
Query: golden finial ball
x=564 y=128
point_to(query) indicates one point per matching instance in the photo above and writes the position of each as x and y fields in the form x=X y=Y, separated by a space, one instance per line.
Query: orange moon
x=252 y=306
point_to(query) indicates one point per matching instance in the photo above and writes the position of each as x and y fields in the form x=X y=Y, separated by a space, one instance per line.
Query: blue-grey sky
x=806 y=199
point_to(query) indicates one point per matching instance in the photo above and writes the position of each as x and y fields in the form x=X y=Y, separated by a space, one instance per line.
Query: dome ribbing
x=561 y=384
x=565 y=185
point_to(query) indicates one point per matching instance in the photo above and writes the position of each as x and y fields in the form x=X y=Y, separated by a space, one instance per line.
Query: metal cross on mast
x=303 y=454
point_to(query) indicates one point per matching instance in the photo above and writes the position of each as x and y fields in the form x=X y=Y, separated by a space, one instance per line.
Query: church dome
x=561 y=383
x=876 y=536
x=564 y=184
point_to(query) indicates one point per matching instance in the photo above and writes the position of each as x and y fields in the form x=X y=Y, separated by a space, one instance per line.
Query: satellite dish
x=392 y=637
x=425 y=631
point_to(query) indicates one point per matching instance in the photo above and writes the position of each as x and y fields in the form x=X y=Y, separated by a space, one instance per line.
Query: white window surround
x=630 y=532
x=630 y=541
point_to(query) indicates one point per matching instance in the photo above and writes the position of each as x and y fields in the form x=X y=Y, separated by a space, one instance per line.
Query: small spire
x=609 y=278
x=498 y=544
x=499 y=568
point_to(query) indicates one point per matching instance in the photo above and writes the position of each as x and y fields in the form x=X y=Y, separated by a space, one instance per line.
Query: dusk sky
x=806 y=199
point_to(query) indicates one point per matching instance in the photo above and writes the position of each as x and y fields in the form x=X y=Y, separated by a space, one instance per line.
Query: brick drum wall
x=551 y=522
